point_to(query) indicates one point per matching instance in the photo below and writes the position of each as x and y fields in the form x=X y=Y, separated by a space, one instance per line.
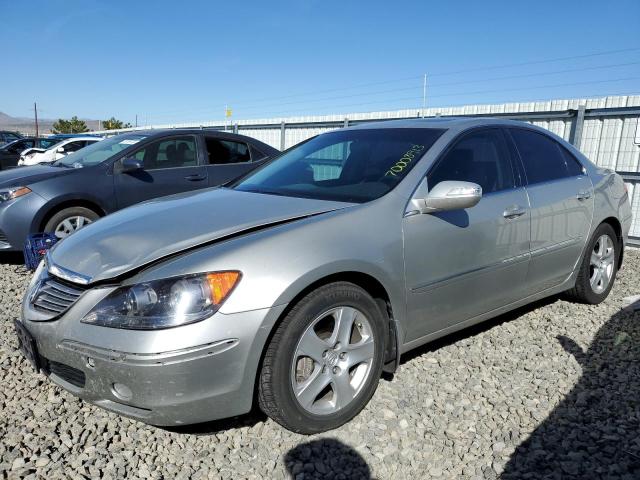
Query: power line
x=487 y=68
x=525 y=75
x=538 y=62
x=454 y=94
x=416 y=97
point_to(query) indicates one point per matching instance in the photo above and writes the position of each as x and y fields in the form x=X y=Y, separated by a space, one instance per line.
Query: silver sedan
x=296 y=286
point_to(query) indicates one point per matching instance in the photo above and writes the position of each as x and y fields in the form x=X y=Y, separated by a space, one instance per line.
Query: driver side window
x=169 y=153
x=480 y=157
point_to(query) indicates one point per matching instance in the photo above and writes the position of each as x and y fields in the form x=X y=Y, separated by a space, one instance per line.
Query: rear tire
x=312 y=379
x=598 y=269
x=70 y=220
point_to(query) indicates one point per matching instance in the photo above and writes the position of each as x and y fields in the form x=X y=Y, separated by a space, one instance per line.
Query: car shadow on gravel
x=595 y=431
x=326 y=458
x=215 y=426
x=12 y=258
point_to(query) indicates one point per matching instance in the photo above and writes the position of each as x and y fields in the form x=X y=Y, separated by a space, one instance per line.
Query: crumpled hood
x=25 y=176
x=141 y=234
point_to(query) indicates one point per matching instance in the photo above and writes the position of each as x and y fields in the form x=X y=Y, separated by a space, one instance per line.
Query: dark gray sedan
x=115 y=173
x=322 y=268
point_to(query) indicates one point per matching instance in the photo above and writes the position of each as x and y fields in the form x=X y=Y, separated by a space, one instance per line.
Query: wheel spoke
x=595 y=279
x=308 y=392
x=79 y=223
x=344 y=319
x=604 y=277
x=360 y=352
x=342 y=389
x=311 y=346
x=594 y=258
x=67 y=226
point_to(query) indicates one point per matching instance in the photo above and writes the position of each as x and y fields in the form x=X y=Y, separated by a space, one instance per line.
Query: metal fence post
x=282 y=135
x=235 y=128
x=346 y=122
x=575 y=136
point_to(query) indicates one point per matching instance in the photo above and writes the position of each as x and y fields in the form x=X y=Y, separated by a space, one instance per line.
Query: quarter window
x=257 y=154
x=172 y=153
x=543 y=158
x=223 y=152
x=480 y=157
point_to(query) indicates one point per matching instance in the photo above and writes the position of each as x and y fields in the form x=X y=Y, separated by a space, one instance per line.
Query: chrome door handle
x=514 y=212
x=583 y=195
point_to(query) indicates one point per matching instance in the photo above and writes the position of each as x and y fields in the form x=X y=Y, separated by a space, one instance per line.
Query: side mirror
x=60 y=150
x=131 y=164
x=450 y=195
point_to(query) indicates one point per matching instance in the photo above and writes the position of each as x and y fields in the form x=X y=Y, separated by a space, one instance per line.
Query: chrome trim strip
x=441 y=282
x=66 y=274
x=556 y=246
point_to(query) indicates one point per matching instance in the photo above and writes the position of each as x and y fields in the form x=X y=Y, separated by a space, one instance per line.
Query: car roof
x=80 y=137
x=194 y=131
x=441 y=122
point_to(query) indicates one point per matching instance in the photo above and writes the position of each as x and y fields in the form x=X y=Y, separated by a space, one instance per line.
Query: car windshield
x=7 y=146
x=100 y=151
x=344 y=165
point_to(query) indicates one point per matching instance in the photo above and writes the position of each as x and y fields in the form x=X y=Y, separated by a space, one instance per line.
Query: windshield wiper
x=266 y=192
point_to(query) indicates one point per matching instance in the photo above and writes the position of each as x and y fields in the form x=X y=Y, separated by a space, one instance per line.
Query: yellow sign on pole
x=228 y=112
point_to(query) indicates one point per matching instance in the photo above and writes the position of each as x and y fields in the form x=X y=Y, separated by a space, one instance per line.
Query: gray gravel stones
x=550 y=391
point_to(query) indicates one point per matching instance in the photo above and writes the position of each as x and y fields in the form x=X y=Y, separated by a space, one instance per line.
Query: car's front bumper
x=16 y=219
x=210 y=374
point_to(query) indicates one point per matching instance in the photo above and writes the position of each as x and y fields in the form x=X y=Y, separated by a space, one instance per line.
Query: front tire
x=324 y=360
x=70 y=220
x=599 y=267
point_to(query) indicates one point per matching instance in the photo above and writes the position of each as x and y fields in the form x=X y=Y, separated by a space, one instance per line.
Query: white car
x=33 y=156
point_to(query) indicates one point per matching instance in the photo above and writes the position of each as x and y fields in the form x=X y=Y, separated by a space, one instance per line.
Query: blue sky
x=170 y=61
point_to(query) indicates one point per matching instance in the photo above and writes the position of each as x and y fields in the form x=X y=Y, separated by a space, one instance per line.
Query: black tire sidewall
x=321 y=300
x=58 y=217
x=591 y=296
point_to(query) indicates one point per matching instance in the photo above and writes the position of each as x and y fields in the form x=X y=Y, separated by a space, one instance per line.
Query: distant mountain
x=27 y=125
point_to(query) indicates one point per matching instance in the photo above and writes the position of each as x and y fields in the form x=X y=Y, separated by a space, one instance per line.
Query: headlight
x=164 y=303
x=11 y=193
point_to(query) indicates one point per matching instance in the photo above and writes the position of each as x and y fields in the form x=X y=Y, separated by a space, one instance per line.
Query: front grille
x=69 y=374
x=55 y=296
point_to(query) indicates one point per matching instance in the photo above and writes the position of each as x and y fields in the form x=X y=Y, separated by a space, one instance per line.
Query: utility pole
x=424 y=95
x=35 y=111
x=136 y=120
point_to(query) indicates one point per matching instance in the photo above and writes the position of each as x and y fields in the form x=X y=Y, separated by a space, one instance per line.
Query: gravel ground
x=550 y=391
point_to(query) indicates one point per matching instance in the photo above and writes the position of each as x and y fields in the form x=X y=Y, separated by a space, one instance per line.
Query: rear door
x=561 y=198
x=227 y=158
x=463 y=263
x=170 y=165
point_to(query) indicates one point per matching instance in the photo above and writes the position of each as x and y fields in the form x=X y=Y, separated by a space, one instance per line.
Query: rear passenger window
x=223 y=152
x=543 y=158
x=480 y=157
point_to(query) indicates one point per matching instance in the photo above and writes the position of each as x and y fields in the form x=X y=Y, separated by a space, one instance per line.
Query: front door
x=170 y=165
x=561 y=197
x=460 y=264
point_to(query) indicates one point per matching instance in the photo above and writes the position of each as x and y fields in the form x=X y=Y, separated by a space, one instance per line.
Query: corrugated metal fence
x=605 y=129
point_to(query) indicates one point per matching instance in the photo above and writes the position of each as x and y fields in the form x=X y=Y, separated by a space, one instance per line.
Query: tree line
x=75 y=125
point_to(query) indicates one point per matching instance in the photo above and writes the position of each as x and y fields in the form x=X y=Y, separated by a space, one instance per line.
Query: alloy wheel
x=332 y=360
x=70 y=225
x=602 y=264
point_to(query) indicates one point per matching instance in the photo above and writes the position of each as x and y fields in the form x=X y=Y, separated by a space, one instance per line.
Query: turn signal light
x=221 y=284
